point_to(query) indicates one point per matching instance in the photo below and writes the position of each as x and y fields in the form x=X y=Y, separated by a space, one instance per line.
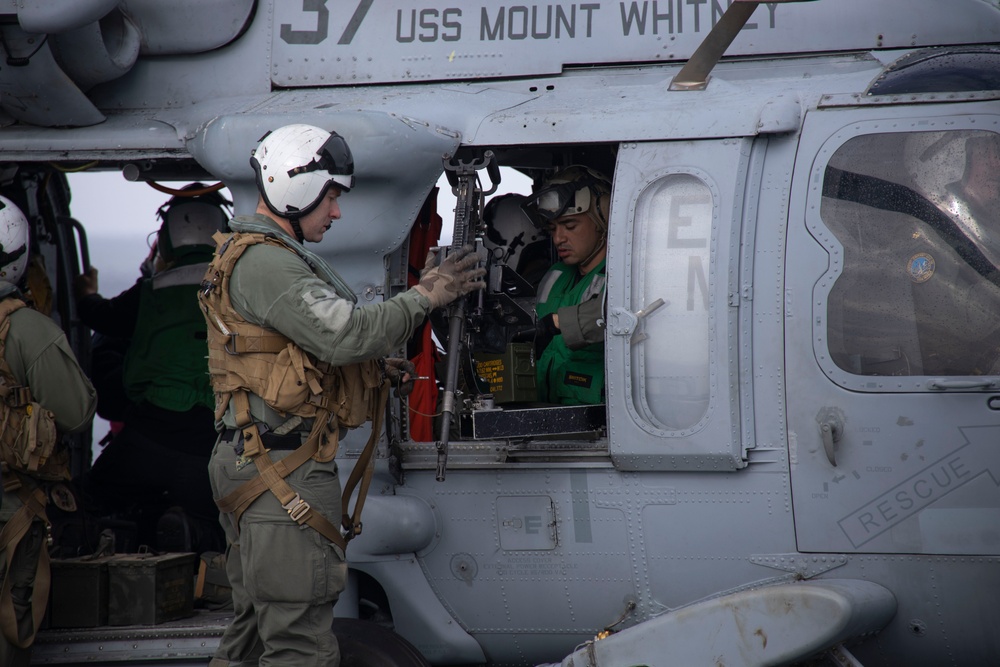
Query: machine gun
x=464 y=180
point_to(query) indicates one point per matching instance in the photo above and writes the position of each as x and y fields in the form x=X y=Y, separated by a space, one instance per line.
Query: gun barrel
x=456 y=332
x=469 y=195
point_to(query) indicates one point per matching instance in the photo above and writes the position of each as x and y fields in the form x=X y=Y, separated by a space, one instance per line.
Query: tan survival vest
x=28 y=436
x=28 y=447
x=245 y=358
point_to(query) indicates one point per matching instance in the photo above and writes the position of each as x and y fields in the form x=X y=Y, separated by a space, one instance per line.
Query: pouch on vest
x=354 y=391
x=28 y=437
x=293 y=379
x=32 y=447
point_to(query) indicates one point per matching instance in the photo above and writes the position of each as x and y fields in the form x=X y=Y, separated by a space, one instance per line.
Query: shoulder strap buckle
x=297 y=508
x=18 y=396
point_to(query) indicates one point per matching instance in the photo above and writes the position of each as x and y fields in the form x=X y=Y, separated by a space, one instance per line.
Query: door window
x=917 y=218
x=673 y=232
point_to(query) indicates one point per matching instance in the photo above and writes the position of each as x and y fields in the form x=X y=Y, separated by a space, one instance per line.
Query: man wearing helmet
x=169 y=418
x=573 y=206
x=43 y=393
x=294 y=361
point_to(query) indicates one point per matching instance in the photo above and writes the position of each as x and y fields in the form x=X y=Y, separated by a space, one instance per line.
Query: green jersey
x=570 y=369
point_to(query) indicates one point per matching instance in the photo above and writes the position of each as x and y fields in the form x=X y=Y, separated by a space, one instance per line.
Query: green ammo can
x=511 y=375
x=147 y=589
x=79 y=594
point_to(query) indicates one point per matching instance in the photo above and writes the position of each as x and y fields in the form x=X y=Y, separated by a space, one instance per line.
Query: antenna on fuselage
x=694 y=74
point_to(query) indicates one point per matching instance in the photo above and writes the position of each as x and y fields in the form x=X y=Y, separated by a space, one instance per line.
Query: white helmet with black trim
x=946 y=164
x=14 y=236
x=512 y=238
x=575 y=189
x=297 y=164
x=956 y=170
x=935 y=159
x=189 y=220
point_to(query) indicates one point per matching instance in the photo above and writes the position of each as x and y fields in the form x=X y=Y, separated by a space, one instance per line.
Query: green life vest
x=565 y=376
x=166 y=360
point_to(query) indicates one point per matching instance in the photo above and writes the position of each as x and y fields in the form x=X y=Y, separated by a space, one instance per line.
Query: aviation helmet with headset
x=14 y=236
x=511 y=236
x=938 y=162
x=188 y=221
x=575 y=189
x=296 y=165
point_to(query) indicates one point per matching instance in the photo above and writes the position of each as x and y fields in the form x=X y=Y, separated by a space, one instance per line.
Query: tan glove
x=456 y=276
x=401 y=373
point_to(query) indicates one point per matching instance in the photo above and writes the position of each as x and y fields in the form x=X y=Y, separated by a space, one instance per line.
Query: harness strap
x=244 y=422
x=10 y=537
x=271 y=475
x=264 y=342
x=365 y=466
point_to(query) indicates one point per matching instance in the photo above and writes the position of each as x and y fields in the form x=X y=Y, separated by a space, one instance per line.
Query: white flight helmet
x=934 y=160
x=575 y=189
x=510 y=233
x=940 y=165
x=190 y=220
x=13 y=242
x=297 y=164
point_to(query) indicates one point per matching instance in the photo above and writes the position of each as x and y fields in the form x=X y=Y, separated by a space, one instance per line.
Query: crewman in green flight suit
x=43 y=395
x=573 y=206
x=293 y=360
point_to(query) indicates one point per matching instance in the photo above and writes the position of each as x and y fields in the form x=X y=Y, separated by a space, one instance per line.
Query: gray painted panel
x=392 y=40
x=909 y=457
x=637 y=442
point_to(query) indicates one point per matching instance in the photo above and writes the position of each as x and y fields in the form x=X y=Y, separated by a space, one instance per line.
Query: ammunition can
x=511 y=375
x=79 y=597
x=147 y=589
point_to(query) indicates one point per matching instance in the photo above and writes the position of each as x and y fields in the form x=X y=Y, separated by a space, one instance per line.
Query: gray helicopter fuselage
x=813 y=407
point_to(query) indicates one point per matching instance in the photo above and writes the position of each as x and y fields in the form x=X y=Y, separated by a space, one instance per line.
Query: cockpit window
x=918 y=218
x=670 y=355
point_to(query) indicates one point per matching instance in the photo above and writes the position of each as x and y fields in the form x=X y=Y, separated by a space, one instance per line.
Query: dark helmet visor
x=552 y=202
x=333 y=157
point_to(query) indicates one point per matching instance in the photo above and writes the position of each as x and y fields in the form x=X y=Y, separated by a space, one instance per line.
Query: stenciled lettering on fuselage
x=365 y=41
x=518 y=22
x=923 y=487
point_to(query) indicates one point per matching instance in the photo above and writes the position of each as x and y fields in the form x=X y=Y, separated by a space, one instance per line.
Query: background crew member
x=43 y=394
x=158 y=463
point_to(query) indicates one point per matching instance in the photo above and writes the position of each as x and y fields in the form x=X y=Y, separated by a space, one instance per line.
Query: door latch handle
x=830 y=432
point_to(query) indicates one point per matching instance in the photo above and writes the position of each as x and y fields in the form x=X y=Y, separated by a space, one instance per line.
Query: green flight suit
x=286 y=577
x=40 y=358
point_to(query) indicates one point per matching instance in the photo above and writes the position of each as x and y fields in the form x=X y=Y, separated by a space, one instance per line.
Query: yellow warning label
x=492 y=371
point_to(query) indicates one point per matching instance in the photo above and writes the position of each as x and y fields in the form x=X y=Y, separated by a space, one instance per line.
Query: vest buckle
x=18 y=396
x=297 y=508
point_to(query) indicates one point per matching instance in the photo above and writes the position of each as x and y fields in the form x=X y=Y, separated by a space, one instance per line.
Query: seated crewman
x=573 y=206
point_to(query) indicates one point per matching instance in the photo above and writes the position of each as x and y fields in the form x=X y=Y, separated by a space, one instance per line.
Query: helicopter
x=793 y=462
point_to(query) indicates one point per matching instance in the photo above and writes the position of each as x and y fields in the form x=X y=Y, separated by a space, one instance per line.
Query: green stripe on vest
x=569 y=377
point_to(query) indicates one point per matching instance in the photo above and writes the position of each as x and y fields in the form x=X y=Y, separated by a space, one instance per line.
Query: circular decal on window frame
x=920 y=267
